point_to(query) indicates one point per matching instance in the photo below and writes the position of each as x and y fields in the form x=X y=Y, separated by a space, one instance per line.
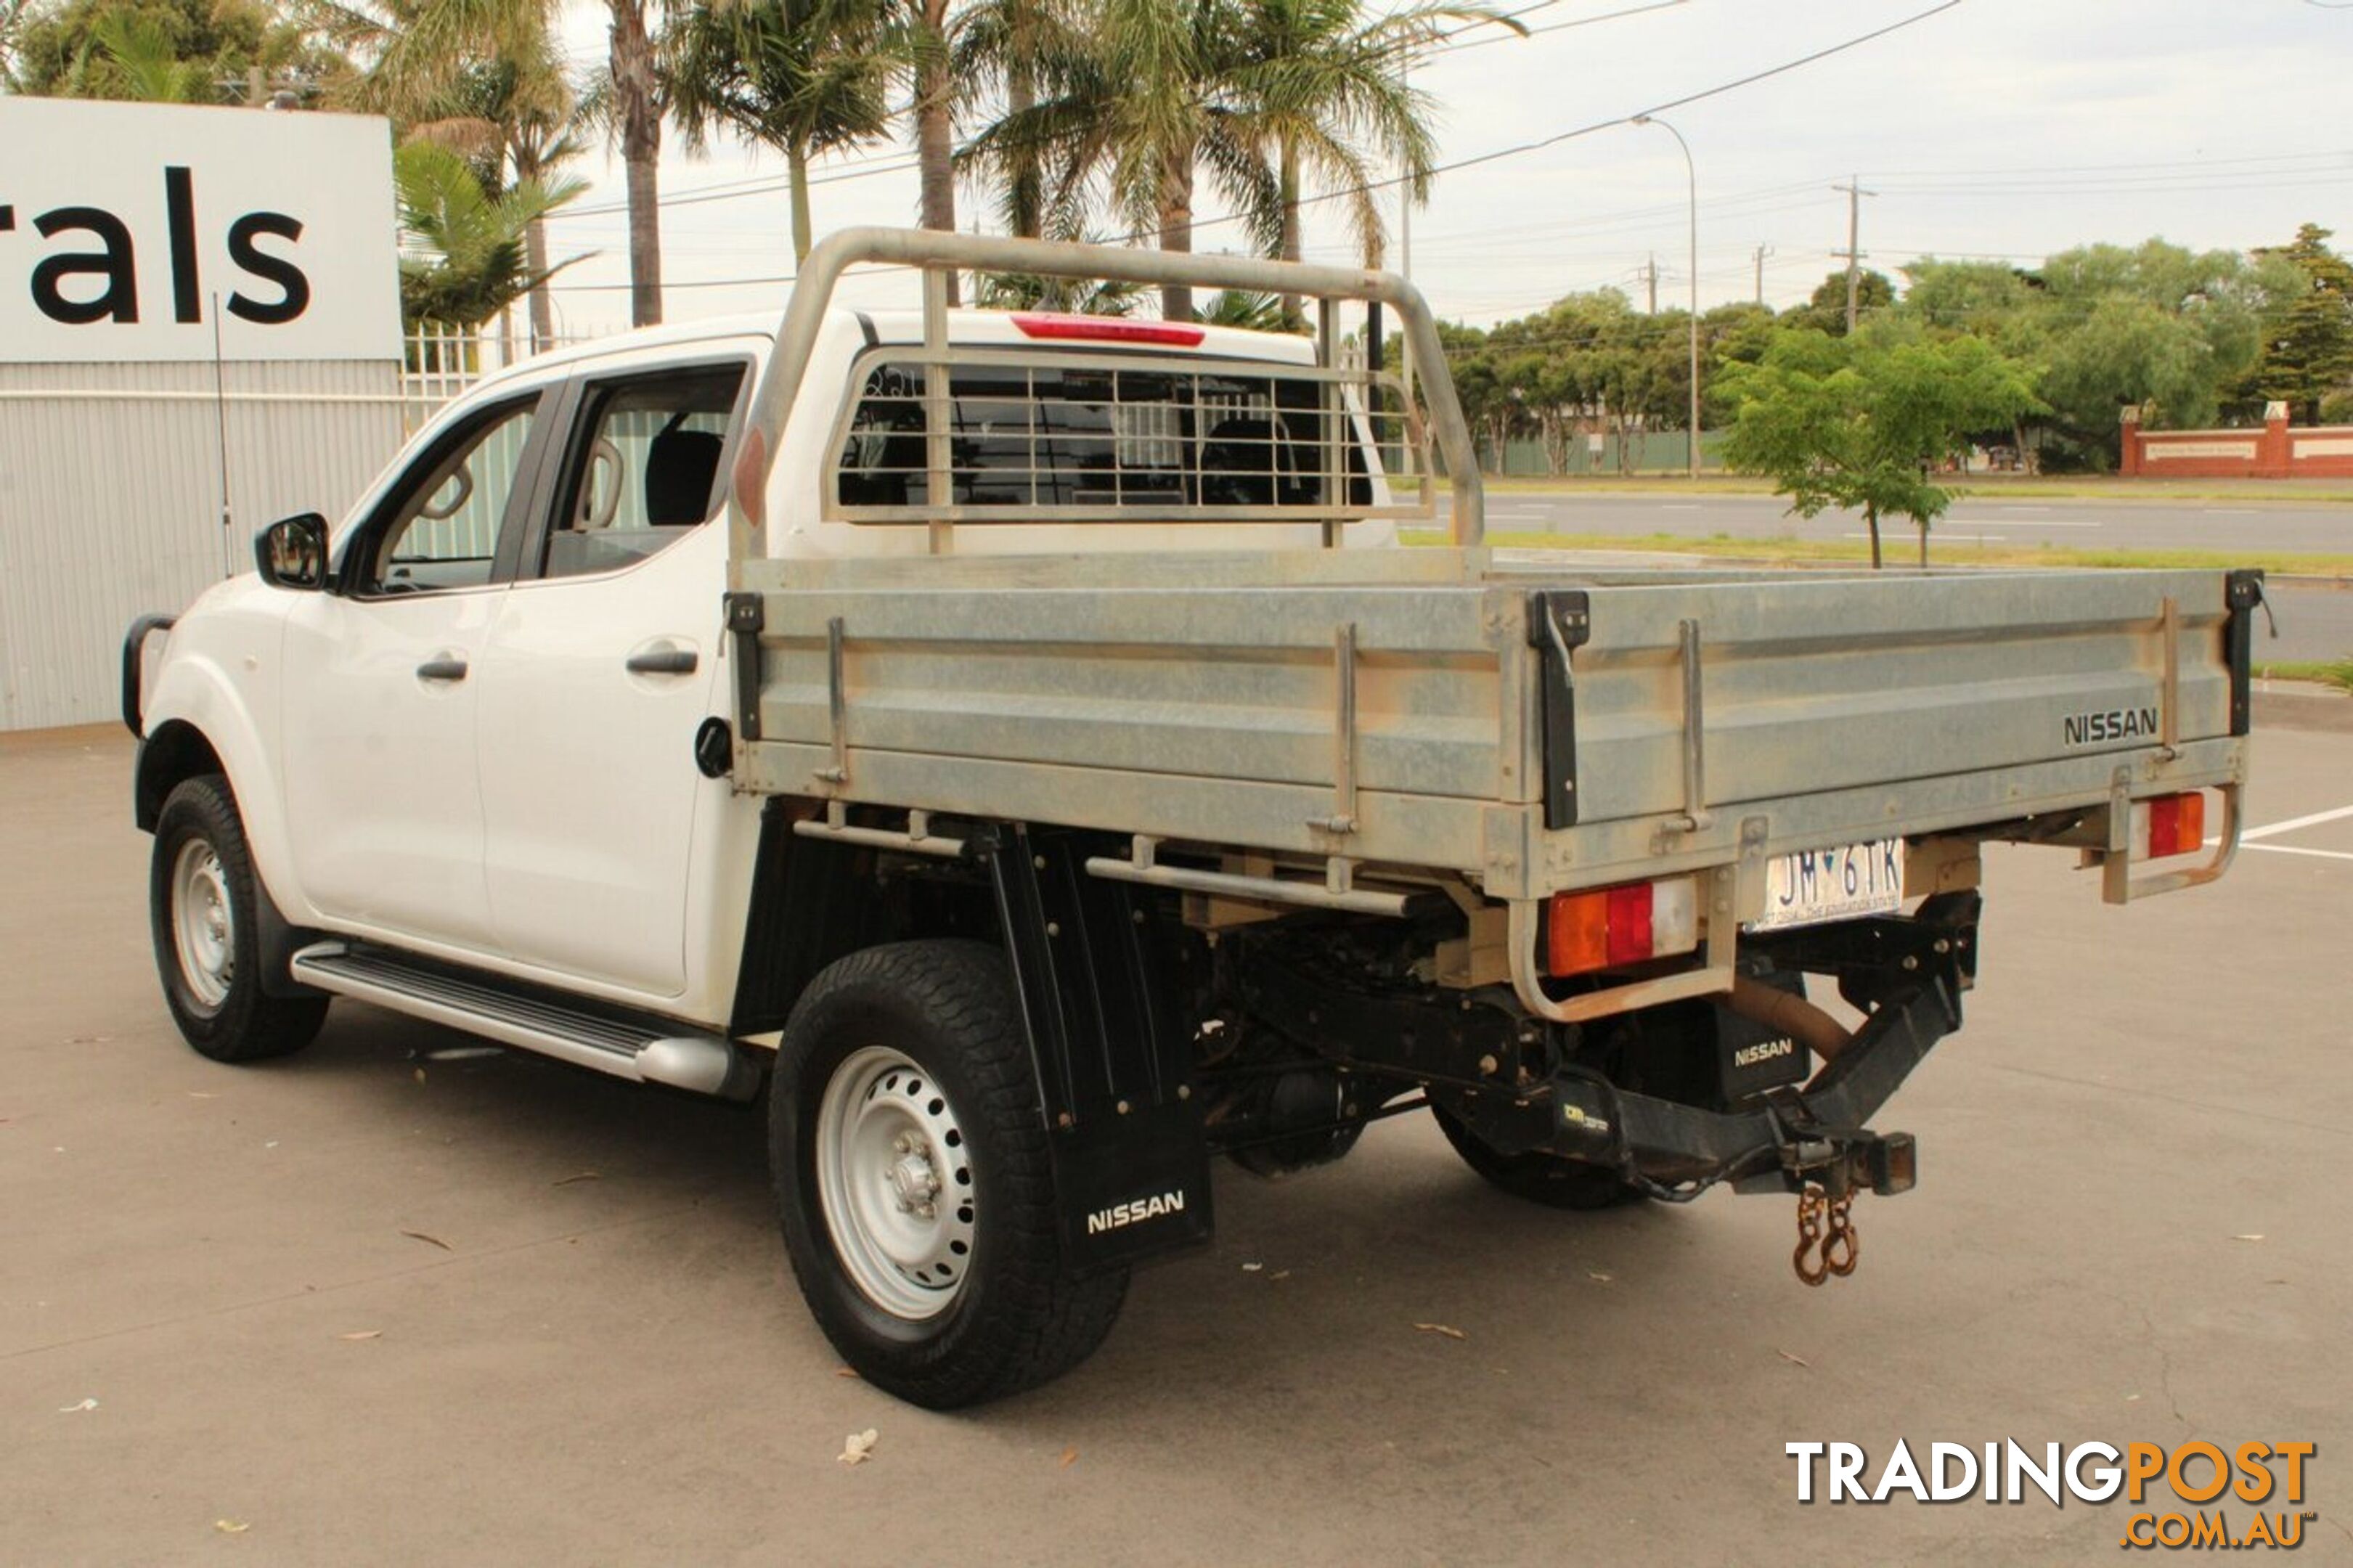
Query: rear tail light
x=2169 y=825
x=1607 y=928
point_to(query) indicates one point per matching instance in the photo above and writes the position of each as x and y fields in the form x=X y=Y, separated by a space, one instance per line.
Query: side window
x=442 y=528
x=643 y=468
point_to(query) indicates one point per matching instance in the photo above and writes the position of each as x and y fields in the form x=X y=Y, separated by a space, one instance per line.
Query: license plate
x=1811 y=885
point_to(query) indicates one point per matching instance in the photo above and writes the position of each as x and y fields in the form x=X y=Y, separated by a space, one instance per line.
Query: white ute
x=1019 y=744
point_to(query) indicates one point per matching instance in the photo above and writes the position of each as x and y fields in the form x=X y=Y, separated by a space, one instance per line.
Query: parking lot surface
x=396 y=1301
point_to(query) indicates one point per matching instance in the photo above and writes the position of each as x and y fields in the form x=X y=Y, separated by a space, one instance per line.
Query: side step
x=607 y=1042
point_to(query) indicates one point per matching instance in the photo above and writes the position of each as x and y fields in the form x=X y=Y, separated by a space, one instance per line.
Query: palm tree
x=466 y=257
x=921 y=41
x=805 y=77
x=486 y=77
x=1327 y=93
x=1254 y=311
x=1016 y=51
x=634 y=85
x=1142 y=106
x=1033 y=291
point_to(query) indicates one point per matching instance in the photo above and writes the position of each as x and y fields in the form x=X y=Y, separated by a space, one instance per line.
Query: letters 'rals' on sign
x=126 y=228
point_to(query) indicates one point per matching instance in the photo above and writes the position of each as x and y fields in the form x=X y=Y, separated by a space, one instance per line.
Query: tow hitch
x=1829 y=1167
x=1907 y=976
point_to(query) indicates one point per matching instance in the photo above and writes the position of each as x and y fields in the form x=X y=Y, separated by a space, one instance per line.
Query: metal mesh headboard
x=942 y=435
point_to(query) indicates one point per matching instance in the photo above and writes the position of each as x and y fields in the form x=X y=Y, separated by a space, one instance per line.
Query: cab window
x=440 y=528
x=643 y=469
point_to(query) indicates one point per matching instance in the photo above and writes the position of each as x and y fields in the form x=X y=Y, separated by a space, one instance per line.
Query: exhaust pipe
x=1792 y=1015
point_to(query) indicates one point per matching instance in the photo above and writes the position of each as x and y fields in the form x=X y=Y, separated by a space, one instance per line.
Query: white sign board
x=130 y=231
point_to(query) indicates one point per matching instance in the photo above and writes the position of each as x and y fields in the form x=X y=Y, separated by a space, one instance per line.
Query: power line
x=1493 y=154
x=758 y=186
x=1511 y=37
x=1555 y=140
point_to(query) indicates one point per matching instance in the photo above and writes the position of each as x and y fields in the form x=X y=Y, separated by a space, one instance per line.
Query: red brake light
x=1630 y=924
x=1105 y=329
x=2177 y=824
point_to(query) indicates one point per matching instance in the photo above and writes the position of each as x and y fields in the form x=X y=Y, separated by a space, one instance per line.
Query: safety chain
x=1826 y=1243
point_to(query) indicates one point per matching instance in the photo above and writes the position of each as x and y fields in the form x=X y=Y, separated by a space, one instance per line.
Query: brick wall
x=2277 y=451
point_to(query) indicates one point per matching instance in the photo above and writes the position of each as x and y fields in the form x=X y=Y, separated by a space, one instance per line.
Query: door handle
x=443 y=668
x=663 y=661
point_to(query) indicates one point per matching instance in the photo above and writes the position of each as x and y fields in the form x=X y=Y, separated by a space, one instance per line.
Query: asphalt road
x=2315 y=620
x=374 y=1304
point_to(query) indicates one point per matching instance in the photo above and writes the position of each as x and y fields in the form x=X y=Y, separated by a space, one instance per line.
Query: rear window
x=1030 y=437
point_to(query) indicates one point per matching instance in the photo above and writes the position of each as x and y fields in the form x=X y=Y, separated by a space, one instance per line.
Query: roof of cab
x=900 y=326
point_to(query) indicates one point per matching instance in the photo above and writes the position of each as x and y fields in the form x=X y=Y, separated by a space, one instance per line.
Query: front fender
x=220 y=679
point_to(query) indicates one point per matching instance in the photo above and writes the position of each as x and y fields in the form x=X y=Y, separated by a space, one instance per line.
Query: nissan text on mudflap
x=1019 y=744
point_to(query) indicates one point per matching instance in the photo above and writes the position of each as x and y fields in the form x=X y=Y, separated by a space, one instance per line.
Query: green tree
x=465 y=258
x=803 y=77
x=200 y=51
x=145 y=64
x=1825 y=310
x=2307 y=335
x=12 y=21
x=2126 y=353
x=1856 y=421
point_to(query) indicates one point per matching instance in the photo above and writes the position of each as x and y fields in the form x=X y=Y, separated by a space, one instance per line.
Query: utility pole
x=1853 y=251
x=1762 y=252
x=1651 y=278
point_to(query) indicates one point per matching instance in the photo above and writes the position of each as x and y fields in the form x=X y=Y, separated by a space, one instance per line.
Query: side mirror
x=292 y=553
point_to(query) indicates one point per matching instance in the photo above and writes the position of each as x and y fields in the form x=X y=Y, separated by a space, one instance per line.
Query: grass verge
x=1978 y=487
x=1956 y=551
x=2331 y=672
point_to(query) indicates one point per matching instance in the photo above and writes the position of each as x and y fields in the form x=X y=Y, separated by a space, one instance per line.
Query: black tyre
x=914 y=1180
x=1544 y=1179
x=204 y=909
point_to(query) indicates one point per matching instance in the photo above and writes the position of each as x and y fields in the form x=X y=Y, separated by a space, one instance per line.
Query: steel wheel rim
x=896 y=1181
x=204 y=923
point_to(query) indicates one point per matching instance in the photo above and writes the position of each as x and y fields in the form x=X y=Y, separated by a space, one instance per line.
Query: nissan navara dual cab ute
x=1019 y=747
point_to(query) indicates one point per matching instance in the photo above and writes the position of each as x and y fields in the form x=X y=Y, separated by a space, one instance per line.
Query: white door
x=603 y=664
x=383 y=797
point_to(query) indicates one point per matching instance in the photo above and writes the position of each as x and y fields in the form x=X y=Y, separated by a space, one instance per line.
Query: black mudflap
x=1114 y=1049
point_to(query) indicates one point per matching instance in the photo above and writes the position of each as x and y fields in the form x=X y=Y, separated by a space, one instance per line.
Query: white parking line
x=2274 y=830
x=1967 y=535
x=2299 y=849
x=2043 y=522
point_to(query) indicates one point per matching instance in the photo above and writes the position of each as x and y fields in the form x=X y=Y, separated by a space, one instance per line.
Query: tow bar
x=1907 y=976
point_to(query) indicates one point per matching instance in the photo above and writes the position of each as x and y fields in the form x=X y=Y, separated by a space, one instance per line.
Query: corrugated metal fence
x=112 y=482
x=111 y=499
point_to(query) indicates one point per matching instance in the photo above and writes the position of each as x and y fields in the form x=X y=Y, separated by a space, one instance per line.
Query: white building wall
x=110 y=486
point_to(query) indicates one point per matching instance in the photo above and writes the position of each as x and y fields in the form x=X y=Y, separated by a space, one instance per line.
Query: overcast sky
x=1994 y=128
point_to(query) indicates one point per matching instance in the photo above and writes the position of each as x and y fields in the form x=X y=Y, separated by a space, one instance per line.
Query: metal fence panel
x=112 y=499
